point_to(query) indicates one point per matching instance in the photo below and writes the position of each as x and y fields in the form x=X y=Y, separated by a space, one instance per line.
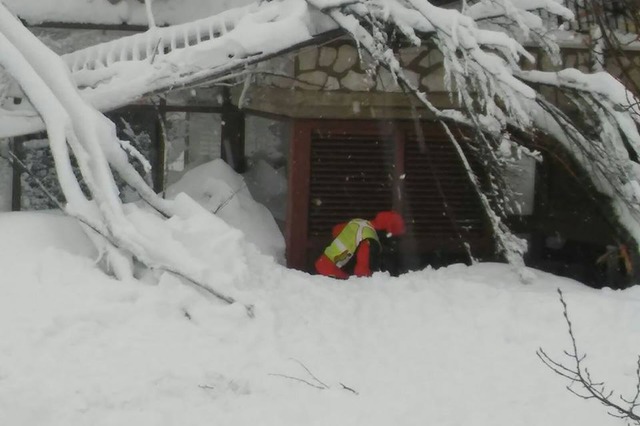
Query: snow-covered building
x=320 y=131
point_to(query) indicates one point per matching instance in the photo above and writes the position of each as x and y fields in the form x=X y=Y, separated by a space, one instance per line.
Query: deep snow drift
x=446 y=347
x=222 y=191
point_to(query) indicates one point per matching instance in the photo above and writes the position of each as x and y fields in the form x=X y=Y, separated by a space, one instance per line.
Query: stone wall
x=337 y=81
x=340 y=67
x=334 y=81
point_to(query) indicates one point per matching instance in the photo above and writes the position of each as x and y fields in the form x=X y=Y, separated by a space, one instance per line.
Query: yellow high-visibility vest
x=344 y=246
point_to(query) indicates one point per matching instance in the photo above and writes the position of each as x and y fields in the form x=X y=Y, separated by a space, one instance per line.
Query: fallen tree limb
x=97 y=229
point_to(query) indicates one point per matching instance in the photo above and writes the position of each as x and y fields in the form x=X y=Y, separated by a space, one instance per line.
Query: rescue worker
x=362 y=240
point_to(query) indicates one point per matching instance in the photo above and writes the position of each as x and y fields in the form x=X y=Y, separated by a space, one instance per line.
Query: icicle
x=150 y=18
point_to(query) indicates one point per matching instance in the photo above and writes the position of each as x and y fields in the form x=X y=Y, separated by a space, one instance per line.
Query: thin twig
x=155 y=51
x=14 y=160
x=349 y=389
x=578 y=374
x=226 y=201
x=298 y=380
x=319 y=383
x=310 y=373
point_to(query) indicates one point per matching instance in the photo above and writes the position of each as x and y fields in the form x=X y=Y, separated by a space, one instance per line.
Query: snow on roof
x=130 y=12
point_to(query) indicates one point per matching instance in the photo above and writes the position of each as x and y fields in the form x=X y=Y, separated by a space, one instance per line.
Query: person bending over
x=359 y=244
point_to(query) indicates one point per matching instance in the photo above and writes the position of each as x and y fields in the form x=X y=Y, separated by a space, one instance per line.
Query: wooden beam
x=160 y=149
x=16 y=181
x=85 y=26
x=163 y=107
x=298 y=195
x=232 y=134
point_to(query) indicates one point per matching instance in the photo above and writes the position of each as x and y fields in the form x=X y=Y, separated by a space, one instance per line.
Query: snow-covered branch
x=117 y=73
x=71 y=121
x=479 y=66
x=604 y=141
x=150 y=18
x=493 y=93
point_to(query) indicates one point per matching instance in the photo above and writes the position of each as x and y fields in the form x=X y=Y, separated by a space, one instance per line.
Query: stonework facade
x=341 y=67
x=337 y=80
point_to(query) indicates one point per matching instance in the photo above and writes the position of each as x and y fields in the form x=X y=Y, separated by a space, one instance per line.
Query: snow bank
x=220 y=190
x=448 y=347
x=30 y=234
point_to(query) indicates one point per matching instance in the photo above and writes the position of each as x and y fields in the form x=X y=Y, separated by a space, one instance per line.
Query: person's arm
x=326 y=267
x=362 y=268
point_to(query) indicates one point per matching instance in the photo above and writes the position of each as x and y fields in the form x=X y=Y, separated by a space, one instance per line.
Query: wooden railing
x=143 y=46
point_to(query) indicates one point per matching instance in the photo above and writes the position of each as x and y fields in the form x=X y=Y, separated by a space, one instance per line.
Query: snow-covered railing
x=156 y=42
x=116 y=73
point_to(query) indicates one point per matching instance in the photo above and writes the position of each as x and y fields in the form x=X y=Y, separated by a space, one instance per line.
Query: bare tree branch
x=319 y=384
x=587 y=388
x=299 y=380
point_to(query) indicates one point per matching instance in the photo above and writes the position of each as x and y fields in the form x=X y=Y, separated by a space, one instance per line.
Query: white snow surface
x=216 y=187
x=130 y=12
x=452 y=346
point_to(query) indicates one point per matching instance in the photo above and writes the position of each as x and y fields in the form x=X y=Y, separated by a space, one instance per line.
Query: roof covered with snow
x=117 y=12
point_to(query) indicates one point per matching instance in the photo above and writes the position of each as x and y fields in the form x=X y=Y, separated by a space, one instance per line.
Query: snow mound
x=269 y=187
x=222 y=191
x=80 y=348
x=30 y=234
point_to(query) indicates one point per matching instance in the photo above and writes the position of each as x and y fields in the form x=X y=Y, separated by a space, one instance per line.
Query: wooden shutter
x=439 y=202
x=351 y=176
x=347 y=169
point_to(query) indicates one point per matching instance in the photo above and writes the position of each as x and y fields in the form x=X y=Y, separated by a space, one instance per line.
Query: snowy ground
x=454 y=346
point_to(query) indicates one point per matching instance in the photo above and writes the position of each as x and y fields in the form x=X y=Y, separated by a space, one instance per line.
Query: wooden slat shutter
x=351 y=177
x=439 y=202
x=347 y=169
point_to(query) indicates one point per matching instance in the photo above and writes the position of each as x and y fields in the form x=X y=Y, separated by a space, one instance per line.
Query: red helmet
x=389 y=221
